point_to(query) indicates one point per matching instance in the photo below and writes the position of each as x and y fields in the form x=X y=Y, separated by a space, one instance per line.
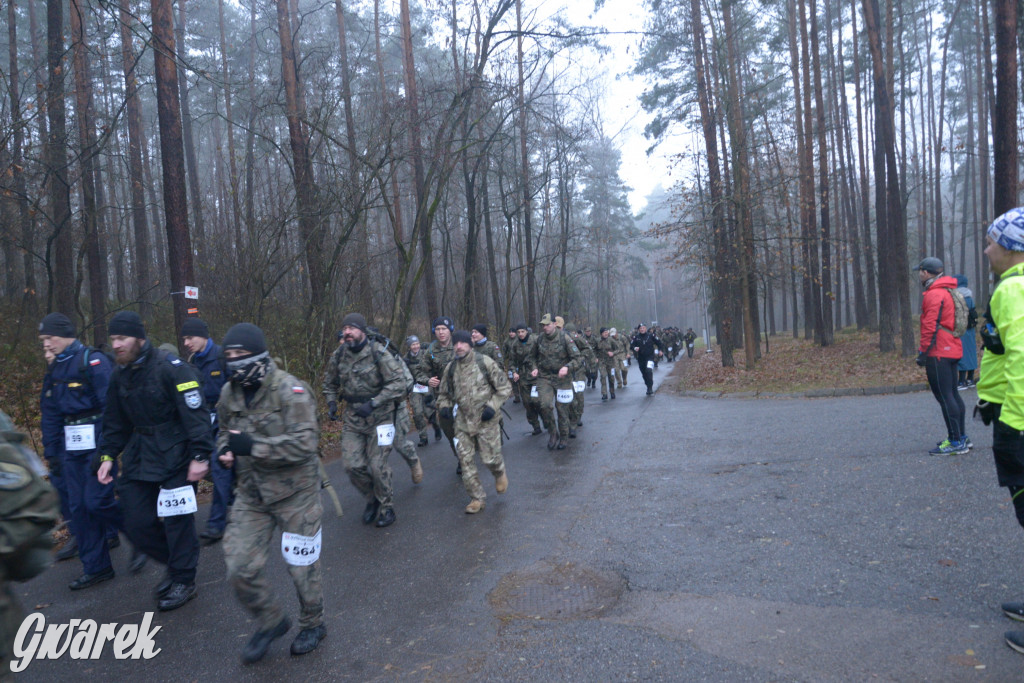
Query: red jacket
x=936 y=297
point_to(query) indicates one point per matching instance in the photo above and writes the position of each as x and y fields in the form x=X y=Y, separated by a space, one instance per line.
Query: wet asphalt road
x=677 y=539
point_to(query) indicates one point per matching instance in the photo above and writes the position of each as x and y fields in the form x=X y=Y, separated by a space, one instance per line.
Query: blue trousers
x=223 y=494
x=94 y=510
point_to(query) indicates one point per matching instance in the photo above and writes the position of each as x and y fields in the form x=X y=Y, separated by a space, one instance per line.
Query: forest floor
x=794 y=365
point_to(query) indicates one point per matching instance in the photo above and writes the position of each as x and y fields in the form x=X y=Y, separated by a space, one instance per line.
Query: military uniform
x=622 y=342
x=29 y=509
x=490 y=349
x=521 y=363
x=580 y=379
x=71 y=406
x=551 y=353
x=435 y=360
x=209 y=366
x=609 y=365
x=369 y=375
x=474 y=383
x=421 y=412
x=506 y=356
x=277 y=486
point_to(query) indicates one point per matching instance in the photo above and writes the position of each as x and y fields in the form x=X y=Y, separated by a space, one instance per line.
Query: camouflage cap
x=547 y=319
x=570 y=328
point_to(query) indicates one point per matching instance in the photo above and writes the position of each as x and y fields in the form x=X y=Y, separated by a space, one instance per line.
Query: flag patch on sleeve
x=298 y=390
x=95 y=361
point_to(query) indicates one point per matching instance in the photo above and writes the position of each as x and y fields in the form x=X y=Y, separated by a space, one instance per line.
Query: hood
x=961 y=280
x=944 y=281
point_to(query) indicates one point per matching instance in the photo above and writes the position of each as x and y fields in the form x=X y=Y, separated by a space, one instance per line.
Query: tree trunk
x=826 y=327
x=236 y=211
x=194 y=183
x=60 y=267
x=1004 y=116
x=524 y=158
x=18 y=164
x=179 y=247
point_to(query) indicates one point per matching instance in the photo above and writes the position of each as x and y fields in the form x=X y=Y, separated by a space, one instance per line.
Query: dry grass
x=794 y=365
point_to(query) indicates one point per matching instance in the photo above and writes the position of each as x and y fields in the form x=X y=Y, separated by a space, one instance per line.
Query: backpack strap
x=449 y=371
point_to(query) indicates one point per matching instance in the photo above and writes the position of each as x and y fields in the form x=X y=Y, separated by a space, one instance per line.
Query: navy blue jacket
x=74 y=391
x=209 y=366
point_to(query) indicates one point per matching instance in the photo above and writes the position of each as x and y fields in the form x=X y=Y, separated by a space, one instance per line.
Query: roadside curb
x=811 y=393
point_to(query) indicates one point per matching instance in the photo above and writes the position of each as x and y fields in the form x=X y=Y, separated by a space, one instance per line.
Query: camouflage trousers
x=248 y=543
x=405 y=448
x=623 y=372
x=576 y=407
x=549 y=407
x=530 y=404
x=488 y=444
x=366 y=464
x=420 y=414
x=608 y=373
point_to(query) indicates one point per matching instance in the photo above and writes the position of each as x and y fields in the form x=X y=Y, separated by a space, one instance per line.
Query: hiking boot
x=474 y=506
x=87 y=580
x=424 y=440
x=1015 y=639
x=536 y=430
x=572 y=433
x=371 y=510
x=69 y=550
x=561 y=445
x=417 y=472
x=387 y=518
x=260 y=642
x=613 y=395
x=604 y=397
x=308 y=639
x=178 y=595
x=501 y=483
x=1014 y=610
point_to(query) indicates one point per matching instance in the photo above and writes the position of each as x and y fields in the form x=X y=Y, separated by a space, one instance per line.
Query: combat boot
x=572 y=433
x=387 y=517
x=474 y=506
x=417 y=472
x=308 y=639
x=370 y=513
x=260 y=642
x=561 y=445
x=537 y=429
x=424 y=440
x=552 y=441
x=501 y=483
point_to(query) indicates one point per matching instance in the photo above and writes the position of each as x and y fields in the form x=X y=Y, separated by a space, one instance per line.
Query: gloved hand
x=240 y=444
x=487 y=414
x=56 y=465
x=446 y=413
x=363 y=410
x=921 y=358
x=332 y=411
x=987 y=411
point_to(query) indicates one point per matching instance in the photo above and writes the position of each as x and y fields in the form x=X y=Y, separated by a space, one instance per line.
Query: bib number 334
x=174 y=502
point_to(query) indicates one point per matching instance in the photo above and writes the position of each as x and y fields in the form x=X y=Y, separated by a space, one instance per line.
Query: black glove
x=987 y=411
x=240 y=444
x=446 y=414
x=487 y=414
x=921 y=358
x=332 y=411
x=428 y=400
x=55 y=465
x=363 y=410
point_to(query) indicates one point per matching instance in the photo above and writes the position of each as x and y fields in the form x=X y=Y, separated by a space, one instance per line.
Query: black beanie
x=482 y=329
x=462 y=336
x=355 y=320
x=57 y=325
x=245 y=337
x=194 y=327
x=603 y=330
x=521 y=326
x=126 y=324
x=443 y=320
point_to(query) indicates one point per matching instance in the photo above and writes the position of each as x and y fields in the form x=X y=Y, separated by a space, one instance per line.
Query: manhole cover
x=562 y=591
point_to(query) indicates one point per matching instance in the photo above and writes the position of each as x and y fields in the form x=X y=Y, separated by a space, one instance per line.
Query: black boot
x=552 y=441
x=370 y=513
x=308 y=639
x=260 y=642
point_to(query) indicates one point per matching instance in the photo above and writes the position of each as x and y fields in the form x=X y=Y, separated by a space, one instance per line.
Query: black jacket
x=643 y=346
x=155 y=417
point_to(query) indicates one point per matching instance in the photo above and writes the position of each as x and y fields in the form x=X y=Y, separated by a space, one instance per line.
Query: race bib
x=300 y=551
x=80 y=437
x=611 y=371
x=385 y=435
x=420 y=389
x=174 y=502
x=510 y=373
x=670 y=349
x=533 y=392
x=579 y=387
x=625 y=363
x=564 y=396
x=650 y=365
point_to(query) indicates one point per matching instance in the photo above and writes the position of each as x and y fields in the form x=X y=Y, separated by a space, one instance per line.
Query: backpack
x=391 y=348
x=450 y=370
x=961 y=313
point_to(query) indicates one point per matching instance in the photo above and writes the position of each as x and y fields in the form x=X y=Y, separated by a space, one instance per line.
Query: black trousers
x=942 y=376
x=646 y=372
x=168 y=540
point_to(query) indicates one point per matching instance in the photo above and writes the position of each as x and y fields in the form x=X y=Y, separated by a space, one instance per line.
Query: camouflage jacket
x=603 y=347
x=435 y=359
x=506 y=352
x=281 y=419
x=587 y=351
x=491 y=350
x=552 y=352
x=465 y=384
x=622 y=343
x=371 y=373
x=521 y=359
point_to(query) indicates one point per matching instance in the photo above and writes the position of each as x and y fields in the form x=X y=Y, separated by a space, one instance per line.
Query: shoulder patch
x=95 y=361
x=298 y=390
x=74 y=385
x=13 y=477
x=192 y=399
x=175 y=361
x=214 y=373
x=185 y=386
